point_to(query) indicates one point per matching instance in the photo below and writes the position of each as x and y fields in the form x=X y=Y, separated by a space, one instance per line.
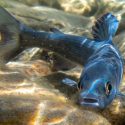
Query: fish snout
x=88 y=100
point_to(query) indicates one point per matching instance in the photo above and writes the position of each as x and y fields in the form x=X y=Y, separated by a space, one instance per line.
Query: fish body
x=76 y=48
x=103 y=65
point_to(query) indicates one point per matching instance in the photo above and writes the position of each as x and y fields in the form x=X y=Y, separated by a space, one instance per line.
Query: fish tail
x=9 y=35
x=73 y=47
x=9 y=26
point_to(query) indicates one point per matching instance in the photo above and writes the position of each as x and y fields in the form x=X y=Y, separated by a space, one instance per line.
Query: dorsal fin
x=105 y=27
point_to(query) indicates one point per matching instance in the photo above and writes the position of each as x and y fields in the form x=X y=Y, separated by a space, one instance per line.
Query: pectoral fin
x=69 y=82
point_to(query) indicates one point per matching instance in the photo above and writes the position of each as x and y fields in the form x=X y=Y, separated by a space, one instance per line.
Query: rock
x=43 y=18
x=35 y=68
x=28 y=54
x=50 y=3
x=56 y=61
x=38 y=102
x=87 y=7
x=29 y=59
x=121 y=16
x=119 y=40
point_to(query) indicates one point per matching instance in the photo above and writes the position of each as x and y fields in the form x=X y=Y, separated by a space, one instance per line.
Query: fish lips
x=91 y=101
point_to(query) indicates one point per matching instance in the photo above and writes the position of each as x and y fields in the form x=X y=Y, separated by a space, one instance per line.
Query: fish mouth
x=93 y=102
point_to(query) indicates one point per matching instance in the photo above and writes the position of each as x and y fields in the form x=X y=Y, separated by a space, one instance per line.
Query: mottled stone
x=41 y=17
x=30 y=103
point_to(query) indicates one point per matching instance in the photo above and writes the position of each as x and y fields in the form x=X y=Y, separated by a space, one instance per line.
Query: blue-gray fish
x=102 y=61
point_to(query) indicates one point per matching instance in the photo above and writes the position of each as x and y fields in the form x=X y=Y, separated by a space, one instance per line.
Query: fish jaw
x=91 y=100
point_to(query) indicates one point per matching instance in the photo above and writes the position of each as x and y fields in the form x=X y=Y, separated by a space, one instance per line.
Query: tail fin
x=9 y=35
x=105 y=27
x=9 y=27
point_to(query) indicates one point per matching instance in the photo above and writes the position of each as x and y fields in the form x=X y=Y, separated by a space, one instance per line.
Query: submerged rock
x=38 y=101
x=44 y=18
x=119 y=40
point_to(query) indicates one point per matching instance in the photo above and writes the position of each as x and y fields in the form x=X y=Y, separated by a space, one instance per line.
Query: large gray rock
x=82 y=7
x=42 y=18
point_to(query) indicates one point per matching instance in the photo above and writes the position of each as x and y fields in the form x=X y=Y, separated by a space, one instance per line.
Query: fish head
x=98 y=85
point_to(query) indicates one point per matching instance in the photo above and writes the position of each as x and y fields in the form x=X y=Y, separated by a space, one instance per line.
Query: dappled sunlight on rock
x=32 y=68
x=36 y=102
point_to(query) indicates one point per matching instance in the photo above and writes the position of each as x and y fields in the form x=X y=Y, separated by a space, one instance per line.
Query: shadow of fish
x=103 y=63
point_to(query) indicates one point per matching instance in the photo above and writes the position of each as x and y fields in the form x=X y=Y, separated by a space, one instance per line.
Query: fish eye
x=80 y=87
x=108 y=88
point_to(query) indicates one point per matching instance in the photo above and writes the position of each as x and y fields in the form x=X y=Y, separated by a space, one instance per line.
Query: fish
x=102 y=61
